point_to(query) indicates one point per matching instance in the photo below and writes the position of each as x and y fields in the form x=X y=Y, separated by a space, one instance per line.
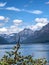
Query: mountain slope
x=13 y=38
x=24 y=34
x=2 y=40
x=41 y=36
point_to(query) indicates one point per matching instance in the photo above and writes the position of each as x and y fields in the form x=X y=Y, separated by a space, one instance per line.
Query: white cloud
x=4 y=18
x=33 y=12
x=10 y=30
x=37 y=12
x=3 y=4
x=3 y=30
x=41 y=20
x=47 y=2
x=14 y=29
x=13 y=8
x=23 y=10
x=17 y=9
x=37 y=26
x=17 y=21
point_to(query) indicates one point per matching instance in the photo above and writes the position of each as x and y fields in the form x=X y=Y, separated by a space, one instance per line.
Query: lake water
x=36 y=50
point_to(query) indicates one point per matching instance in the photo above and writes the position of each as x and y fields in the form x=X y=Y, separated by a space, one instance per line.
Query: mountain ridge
x=29 y=36
x=41 y=36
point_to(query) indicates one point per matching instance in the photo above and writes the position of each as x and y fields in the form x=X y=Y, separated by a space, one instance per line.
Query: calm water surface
x=36 y=50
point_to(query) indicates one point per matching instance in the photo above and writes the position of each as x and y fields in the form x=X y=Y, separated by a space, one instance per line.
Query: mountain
x=13 y=38
x=41 y=36
x=9 y=37
x=27 y=36
x=3 y=41
x=24 y=34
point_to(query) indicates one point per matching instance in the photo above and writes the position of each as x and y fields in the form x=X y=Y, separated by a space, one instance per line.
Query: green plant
x=15 y=58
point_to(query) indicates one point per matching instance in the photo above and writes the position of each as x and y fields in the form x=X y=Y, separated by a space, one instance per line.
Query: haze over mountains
x=27 y=36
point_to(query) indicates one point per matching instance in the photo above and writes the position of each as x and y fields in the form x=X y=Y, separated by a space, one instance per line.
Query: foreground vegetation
x=14 y=57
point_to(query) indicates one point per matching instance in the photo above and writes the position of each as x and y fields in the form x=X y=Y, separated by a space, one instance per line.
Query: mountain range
x=27 y=36
x=3 y=40
x=13 y=38
x=41 y=36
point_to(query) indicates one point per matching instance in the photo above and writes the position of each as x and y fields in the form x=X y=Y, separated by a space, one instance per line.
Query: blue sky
x=15 y=15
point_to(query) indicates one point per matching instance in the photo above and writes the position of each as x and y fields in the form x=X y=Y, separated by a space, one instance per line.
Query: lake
x=36 y=50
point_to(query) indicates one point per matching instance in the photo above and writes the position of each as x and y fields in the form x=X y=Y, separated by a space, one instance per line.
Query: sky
x=15 y=15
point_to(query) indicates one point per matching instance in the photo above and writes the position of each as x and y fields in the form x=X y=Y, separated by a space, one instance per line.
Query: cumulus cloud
x=37 y=26
x=3 y=30
x=14 y=29
x=40 y=22
x=4 y=18
x=17 y=21
x=1 y=17
x=3 y=4
x=10 y=30
x=13 y=9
